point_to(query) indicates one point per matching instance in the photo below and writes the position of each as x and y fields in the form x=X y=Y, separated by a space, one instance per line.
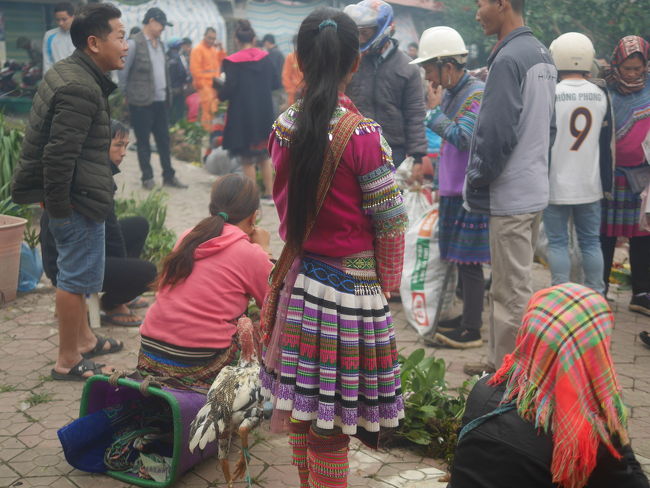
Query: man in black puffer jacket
x=64 y=165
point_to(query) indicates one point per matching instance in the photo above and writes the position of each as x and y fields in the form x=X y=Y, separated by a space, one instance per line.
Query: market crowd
x=549 y=136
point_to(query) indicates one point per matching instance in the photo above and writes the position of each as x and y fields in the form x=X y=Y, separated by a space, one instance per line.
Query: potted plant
x=12 y=229
x=12 y=216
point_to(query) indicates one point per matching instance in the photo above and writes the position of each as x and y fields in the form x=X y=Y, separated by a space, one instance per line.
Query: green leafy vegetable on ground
x=160 y=240
x=433 y=411
x=187 y=140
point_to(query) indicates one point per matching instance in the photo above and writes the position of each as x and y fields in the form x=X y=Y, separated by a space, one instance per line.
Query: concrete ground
x=33 y=408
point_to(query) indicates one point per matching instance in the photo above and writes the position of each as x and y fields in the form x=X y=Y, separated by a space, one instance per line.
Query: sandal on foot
x=77 y=372
x=138 y=302
x=645 y=337
x=132 y=320
x=99 y=350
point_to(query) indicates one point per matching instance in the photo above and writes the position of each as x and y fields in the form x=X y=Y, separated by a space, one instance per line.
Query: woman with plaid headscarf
x=630 y=91
x=552 y=415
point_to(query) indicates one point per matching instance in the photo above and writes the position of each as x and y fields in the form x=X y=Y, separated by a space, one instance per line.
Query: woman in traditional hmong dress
x=331 y=364
x=462 y=236
x=628 y=80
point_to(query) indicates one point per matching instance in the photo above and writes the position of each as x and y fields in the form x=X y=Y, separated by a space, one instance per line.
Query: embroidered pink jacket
x=364 y=209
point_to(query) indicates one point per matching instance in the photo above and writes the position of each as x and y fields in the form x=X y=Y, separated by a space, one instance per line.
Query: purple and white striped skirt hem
x=338 y=357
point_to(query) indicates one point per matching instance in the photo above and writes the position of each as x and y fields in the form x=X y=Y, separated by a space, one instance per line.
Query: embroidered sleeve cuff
x=437 y=121
x=383 y=202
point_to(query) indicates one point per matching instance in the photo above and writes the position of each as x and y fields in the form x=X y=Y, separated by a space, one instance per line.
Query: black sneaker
x=460 y=338
x=267 y=200
x=175 y=183
x=148 y=184
x=645 y=337
x=640 y=303
x=449 y=324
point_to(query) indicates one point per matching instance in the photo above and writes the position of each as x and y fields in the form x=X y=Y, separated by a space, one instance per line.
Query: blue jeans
x=81 y=247
x=586 y=219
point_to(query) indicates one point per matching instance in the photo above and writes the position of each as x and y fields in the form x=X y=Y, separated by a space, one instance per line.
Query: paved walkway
x=33 y=408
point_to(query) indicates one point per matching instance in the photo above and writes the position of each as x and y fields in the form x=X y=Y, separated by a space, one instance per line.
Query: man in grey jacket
x=507 y=174
x=145 y=82
x=386 y=88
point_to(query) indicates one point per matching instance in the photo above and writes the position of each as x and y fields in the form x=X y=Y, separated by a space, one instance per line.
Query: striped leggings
x=320 y=456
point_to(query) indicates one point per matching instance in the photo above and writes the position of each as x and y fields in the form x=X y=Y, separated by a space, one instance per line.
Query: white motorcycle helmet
x=573 y=52
x=441 y=42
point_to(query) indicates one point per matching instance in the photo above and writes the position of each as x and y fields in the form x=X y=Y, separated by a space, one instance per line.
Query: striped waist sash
x=356 y=274
x=187 y=355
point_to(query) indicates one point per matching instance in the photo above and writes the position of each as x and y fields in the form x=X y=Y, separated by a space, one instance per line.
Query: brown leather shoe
x=478 y=369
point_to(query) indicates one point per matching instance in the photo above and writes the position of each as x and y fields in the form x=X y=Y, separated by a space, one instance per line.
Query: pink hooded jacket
x=200 y=311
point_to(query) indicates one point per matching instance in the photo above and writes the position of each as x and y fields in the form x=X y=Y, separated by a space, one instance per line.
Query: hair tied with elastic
x=223 y=215
x=328 y=23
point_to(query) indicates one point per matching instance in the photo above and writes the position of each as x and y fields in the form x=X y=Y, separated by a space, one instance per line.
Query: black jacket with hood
x=250 y=79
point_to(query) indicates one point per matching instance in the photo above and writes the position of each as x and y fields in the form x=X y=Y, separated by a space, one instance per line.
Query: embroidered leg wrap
x=327 y=457
x=298 y=441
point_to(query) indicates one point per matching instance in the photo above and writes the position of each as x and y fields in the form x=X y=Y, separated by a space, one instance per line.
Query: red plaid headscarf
x=561 y=377
x=625 y=48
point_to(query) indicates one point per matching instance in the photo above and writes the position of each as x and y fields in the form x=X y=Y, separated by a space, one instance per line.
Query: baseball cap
x=158 y=15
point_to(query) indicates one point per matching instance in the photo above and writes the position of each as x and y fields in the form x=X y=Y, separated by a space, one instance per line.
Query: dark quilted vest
x=139 y=84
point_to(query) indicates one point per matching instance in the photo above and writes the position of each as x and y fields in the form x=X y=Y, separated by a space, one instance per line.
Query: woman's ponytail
x=327 y=48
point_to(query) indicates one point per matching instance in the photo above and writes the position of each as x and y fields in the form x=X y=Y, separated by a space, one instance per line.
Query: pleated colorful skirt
x=621 y=214
x=336 y=355
x=463 y=237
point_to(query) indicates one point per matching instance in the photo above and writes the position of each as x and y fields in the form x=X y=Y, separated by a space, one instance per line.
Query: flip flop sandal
x=138 y=302
x=77 y=372
x=99 y=347
x=112 y=319
x=645 y=337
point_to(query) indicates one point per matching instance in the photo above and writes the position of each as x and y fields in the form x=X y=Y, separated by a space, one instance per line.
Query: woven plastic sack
x=428 y=283
x=417 y=204
x=220 y=163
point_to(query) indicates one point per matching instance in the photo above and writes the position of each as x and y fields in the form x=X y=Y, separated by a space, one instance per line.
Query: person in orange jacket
x=291 y=76
x=205 y=66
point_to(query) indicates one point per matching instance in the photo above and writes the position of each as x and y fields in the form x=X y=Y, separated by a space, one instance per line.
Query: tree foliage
x=461 y=15
x=604 y=21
